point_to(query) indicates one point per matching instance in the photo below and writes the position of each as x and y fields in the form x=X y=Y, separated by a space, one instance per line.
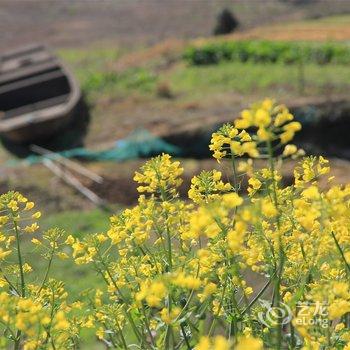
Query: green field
x=98 y=79
x=94 y=70
x=252 y=78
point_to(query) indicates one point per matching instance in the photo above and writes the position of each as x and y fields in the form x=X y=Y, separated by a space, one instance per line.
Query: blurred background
x=106 y=84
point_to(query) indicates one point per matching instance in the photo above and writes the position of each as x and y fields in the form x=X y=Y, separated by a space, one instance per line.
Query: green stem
x=256 y=298
x=8 y=281
x=183 y=331
x=147 y=325
x=47 y=271
x=169 y=331
x=272 y=167
x=219 y=309
x=48 y=330
x=20 y=265
x=278 y=298
x=292 y=335
x=235 y=182
x=20 y=262
x=341 y=253
x=170 y=255
x=122 y=336
x=278 y=277
x=128 y=316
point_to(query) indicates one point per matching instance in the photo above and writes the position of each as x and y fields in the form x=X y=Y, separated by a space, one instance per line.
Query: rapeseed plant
x=176 y=271
x=32 y=315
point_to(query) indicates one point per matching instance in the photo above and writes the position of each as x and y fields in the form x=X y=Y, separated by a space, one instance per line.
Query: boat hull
x=39 y=131
x=39 y=96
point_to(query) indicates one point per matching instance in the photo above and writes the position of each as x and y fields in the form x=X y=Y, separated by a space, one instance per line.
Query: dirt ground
x=52 y=195
x=63 y=23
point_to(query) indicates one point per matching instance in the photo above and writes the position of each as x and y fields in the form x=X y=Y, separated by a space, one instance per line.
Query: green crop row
x=269 y=52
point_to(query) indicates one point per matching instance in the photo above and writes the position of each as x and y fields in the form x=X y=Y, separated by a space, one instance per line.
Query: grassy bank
x=94 y=71
x=98 y=78
x=258 y=78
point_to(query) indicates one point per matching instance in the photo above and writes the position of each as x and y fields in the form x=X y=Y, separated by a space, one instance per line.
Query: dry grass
x=78 y=23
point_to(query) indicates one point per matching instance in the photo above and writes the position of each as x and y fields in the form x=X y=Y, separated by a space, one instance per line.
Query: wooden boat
x=38 y=95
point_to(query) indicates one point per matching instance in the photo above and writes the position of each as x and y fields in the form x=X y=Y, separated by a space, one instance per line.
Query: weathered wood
x=71 y=180
x=12 y=75
x=68 y=163
x=38 y=94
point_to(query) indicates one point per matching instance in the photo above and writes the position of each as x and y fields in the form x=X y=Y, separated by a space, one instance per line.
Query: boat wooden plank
x=28 y=71
x=22 y=51
x=16 y=64
x=34 y=117
x=31 y=81
x=51 y=102
x=36 y=106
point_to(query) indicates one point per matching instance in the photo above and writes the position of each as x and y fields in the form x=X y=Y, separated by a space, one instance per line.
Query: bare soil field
x=63 y=23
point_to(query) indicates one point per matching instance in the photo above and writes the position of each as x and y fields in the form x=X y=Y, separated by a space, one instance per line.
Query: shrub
x=175 y=271
x=226 y=23
x=268 y=52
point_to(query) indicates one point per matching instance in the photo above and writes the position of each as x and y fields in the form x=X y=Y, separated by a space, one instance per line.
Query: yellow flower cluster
x=258 y=129
x=32 y=316
x=177 y=269
x=268 y=268
x=229 y=141
x=207 y=186
x=160 y=175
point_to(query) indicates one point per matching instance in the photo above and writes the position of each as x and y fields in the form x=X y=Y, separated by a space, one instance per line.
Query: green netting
x=139 y=144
